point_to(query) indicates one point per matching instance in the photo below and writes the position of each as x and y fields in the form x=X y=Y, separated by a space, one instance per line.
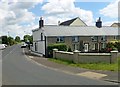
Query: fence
x=78 y=57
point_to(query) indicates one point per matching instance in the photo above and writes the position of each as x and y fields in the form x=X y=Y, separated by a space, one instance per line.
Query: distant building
x=73 y=22
x=115 y=25
x=75 y=34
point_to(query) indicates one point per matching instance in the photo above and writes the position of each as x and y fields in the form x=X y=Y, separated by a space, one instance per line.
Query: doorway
x=86 y=47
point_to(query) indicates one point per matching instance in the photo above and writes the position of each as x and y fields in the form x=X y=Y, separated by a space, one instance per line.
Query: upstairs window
x=103 y=38
x=75 y=39
x=60 y=39
x=94 y=38
x=41 y=36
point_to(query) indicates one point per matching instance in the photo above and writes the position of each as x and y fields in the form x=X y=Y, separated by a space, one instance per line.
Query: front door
x=86 y=47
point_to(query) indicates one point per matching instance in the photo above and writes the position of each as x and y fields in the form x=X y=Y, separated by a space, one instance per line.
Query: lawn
x=92 y=66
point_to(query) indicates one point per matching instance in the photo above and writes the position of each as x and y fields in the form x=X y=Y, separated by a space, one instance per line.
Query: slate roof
x=68 y=22
x=78 y=31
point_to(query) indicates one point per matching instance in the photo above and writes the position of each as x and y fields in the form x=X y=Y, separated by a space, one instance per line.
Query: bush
x=113 y=46
x=117 y=45
x=60 y=47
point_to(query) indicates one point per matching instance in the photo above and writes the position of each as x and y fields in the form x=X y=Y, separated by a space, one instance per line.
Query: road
x=17 y=69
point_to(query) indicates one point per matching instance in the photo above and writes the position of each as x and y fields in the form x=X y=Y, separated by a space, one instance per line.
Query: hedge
x=113 y=46
x=59 y=46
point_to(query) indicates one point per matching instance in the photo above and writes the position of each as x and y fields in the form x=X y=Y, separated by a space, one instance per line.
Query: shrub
x=117 y=45
x=110 y=45
x=60 y=47
x=113 y=46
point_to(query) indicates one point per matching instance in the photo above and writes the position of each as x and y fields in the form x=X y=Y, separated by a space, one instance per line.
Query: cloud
x=14 y=14
x=109 y=23
x=65 y=9
x=111 y=10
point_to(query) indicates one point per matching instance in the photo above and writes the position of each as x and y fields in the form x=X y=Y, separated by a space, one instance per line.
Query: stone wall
x=78 y=57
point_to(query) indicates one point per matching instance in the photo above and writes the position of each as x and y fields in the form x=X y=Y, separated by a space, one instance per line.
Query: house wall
x=93 y=45
x=78 y=22
x=38 y=43
x=110 y=38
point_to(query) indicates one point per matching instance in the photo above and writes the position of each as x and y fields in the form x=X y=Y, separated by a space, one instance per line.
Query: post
x=114 y=55
x=75 y=56
x=54 y=52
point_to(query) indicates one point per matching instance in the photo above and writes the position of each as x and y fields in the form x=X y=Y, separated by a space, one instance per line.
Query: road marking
x=92 y=75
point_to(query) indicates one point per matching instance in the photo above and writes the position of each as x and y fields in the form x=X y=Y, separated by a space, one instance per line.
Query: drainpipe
x=45 y=46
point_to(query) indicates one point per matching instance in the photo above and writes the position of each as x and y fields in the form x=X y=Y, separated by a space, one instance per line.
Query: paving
x=111 y=76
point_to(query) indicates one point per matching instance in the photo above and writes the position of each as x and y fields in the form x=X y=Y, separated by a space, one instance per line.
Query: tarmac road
x=18 y=70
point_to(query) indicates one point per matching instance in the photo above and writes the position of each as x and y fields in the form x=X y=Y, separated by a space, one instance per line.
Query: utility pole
x=8 y=33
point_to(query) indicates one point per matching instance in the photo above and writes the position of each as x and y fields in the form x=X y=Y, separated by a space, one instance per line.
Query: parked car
x=2 y=46
x=24 y=45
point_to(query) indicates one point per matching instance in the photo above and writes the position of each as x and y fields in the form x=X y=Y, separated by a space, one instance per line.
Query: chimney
x=41 y=23
x=99 y=23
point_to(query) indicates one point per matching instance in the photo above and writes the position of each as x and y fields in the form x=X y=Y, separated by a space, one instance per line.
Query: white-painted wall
x=41 y=47
x=37 y=39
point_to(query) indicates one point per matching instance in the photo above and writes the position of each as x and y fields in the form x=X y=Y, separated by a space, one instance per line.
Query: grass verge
x=92 y=66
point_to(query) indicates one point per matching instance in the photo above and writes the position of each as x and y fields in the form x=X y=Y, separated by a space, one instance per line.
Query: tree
x=17 y=39
x=31 y=39
x=11 y=41
x=28 y=37
x=4 y=40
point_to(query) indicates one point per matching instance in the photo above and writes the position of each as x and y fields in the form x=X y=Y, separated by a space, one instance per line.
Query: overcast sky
x=19 y=18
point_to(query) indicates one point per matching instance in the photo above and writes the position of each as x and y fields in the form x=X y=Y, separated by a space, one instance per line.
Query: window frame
x=60 y=39
x=94 y=38
x=42 y=37
x=75 y=38
x=103 y=38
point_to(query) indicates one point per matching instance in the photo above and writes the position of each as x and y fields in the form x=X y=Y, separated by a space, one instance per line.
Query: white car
x=24 y=45
x=2 y=46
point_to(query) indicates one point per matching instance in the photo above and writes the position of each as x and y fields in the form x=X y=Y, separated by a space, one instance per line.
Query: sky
x=18 y=17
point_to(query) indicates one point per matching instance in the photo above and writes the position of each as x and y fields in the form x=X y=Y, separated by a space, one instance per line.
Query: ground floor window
x=103 y=45
x=75 y=46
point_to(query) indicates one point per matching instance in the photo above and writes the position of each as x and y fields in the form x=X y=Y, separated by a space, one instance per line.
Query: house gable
x=115 y=25
x=73 y=22
x=78 y=22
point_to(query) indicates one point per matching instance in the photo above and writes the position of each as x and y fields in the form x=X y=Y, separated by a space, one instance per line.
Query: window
x=115 y=37
x=103 y=45
x=94 y=38
x=103 y=38
x=93 y=46
x=75 y=46
x=75 y=39
x=60 y=39
x=41 y=36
